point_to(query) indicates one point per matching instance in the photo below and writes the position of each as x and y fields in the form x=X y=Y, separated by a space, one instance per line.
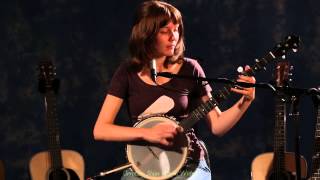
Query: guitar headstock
x=290 y=43
x=315 y=97
x=47 y=77
x=282 y=73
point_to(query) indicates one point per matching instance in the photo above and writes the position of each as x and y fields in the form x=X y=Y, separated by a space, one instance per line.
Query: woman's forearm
x=222 y=122
x=111 y=132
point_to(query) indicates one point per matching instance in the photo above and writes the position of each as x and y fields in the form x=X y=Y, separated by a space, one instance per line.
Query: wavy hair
x=149 y=18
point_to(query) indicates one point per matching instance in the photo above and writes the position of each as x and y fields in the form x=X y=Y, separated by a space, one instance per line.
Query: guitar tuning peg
x=240 y=69
x=295 y=50
x=291 y=68
x=283 y=56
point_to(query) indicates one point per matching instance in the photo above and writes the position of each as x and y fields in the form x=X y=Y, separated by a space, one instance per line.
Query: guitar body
x=72 y=162
x=261 y=167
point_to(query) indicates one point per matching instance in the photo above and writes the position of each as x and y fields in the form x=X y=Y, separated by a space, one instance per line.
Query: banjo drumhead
x=154 y=161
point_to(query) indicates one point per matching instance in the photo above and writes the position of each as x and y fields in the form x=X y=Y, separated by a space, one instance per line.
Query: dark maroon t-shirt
x=175 y=98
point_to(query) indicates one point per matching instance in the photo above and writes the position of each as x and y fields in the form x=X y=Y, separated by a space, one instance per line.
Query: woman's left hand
x=248 y=93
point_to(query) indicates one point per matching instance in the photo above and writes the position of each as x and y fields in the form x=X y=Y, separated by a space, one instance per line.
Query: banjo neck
x=204 y=108
x=197 y=114
x=291 y=42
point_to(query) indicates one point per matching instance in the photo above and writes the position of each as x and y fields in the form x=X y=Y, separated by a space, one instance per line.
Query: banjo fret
x=198 y=113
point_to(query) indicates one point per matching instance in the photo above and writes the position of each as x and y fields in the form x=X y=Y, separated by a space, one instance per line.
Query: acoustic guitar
x=315 y=166
x=54 y=164
x=279 y=165
x=152 y=161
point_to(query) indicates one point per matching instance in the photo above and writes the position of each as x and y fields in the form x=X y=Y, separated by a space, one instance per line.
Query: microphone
x=153 y=70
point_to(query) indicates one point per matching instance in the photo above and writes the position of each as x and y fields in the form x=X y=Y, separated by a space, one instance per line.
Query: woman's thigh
x=202 y=172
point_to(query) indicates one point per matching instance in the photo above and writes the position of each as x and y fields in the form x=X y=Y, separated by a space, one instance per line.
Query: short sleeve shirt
x=174 y=98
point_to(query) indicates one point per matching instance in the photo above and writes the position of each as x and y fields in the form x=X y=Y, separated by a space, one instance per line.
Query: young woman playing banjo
x=158 y=35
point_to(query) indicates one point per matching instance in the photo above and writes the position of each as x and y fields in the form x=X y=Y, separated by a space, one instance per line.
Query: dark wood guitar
x=315 y=166
x=54 y=164
x=279 y=165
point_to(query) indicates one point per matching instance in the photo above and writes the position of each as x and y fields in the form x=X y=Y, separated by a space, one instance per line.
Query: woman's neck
x=160 y=63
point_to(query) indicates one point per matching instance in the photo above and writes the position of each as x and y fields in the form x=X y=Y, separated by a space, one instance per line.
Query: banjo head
x=153 y=161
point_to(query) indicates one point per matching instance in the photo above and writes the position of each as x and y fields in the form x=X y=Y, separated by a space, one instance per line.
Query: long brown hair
x=149 y=18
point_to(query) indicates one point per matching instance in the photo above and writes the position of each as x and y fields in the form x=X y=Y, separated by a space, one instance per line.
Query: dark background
x=88 y=40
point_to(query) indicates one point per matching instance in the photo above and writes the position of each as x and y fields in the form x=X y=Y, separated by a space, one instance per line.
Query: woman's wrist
x=245 y=101
x=143 y=133
x=247 y=98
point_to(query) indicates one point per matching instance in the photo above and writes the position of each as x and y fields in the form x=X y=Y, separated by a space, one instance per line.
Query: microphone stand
x=286 y=90
x=294 y=113
x=218 y=80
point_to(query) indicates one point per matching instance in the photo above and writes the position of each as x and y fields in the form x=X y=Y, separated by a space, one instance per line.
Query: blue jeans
x=202 y=172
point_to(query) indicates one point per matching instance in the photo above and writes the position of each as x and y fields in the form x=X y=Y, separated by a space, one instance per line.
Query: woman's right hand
x=163 y=133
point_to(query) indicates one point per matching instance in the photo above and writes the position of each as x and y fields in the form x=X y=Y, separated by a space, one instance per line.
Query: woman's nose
x=172 y=36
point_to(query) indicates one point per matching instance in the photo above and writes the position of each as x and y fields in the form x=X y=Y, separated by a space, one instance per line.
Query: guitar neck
x=53 y=130
x=279 y=135
x=315 y=168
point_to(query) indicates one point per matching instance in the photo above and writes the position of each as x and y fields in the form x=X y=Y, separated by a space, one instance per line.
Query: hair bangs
x=166 y=14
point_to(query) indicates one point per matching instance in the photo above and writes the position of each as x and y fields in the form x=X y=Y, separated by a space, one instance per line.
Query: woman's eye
x=164 y=31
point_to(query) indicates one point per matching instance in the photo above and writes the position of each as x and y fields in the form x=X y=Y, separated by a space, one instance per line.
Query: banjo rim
x=184 y=155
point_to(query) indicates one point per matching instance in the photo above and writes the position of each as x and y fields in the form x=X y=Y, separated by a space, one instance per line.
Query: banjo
x=153 y=161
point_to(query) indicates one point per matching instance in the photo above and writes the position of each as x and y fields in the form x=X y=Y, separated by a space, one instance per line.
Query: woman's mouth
x=171 y=47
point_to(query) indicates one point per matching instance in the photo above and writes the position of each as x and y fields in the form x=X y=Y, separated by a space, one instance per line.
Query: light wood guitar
x=278 y=165
x=54 y=164
x=315 y=167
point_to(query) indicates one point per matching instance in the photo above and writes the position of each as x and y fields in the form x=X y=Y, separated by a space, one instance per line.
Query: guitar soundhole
x=63 y=174
x=58 y=174
x=281 y=176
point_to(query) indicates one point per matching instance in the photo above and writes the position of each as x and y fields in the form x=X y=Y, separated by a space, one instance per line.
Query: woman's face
x=167 y=39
